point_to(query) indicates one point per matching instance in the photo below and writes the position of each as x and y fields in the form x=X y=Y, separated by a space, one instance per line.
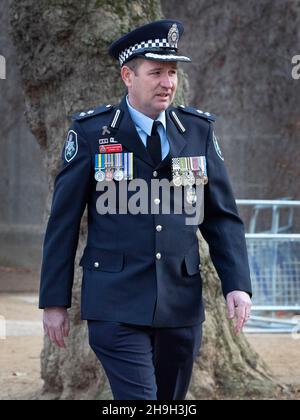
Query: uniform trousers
x=144 y=362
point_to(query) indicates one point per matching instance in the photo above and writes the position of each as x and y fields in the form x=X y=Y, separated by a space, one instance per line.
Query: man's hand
x=239 y=304
x=56 y=325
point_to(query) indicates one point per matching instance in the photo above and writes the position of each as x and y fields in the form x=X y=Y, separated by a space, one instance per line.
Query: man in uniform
x=142 y=286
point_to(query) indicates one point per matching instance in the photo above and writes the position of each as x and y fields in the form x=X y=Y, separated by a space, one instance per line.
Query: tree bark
x=62 y=48
x=227 y=366
x=242 y=72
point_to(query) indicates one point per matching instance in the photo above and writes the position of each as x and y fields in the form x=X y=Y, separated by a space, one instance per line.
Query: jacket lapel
x=128 y=136
x=176 y=139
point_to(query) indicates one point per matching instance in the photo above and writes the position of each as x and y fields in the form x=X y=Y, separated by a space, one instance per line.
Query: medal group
x=188 y=171
x=117 y=166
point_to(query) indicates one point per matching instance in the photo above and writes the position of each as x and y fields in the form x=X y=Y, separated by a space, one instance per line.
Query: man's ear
x=126 y=74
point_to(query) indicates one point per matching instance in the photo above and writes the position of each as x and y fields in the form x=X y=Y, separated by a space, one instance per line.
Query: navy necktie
x=154 y=144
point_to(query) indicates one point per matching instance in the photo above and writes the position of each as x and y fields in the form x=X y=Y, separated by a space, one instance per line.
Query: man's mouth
x=163 y=95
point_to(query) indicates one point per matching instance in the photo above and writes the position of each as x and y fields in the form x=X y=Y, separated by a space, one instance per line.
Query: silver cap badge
x=173 y=36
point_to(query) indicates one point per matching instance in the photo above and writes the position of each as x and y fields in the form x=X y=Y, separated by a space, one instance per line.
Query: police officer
x=142 y=285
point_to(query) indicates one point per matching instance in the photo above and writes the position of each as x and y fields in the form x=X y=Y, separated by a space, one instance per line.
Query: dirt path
x=281 y=353
x=20 y=351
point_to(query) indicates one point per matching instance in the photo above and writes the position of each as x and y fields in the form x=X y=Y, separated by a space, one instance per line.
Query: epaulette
x=189 y=110
x=92 y=112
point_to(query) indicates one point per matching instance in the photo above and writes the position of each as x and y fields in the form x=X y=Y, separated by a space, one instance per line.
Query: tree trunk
x=227 y=366
x=65 y=68
x=242 y=72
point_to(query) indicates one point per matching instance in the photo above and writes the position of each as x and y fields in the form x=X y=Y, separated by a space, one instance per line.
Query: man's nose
x=166 y=81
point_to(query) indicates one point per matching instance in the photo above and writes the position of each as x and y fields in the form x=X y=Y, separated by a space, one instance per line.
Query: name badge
x=110 y=148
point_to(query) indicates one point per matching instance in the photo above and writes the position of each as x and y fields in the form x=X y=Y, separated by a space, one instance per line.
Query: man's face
x=152 y=87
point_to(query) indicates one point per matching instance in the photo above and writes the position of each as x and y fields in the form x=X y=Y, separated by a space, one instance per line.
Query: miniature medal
x=191 y=196
x=118 y=173
x=177 y=179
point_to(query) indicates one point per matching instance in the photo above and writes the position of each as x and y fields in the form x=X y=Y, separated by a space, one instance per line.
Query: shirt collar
x=142 y=121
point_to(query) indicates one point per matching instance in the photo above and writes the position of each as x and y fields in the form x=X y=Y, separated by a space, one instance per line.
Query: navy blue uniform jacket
x=123 y=280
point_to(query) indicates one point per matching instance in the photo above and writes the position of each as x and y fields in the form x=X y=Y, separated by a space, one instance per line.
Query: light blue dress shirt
x=144 y=125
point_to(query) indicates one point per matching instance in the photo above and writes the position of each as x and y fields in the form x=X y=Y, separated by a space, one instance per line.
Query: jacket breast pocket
x=102 y=260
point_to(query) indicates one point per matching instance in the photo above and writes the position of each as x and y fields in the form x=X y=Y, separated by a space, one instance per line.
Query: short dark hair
x=134 y=64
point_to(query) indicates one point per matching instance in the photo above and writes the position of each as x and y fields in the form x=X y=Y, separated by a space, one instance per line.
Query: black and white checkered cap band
x=156 y=43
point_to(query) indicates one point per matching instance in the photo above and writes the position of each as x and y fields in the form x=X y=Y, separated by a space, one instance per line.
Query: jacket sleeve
x=71 y=190
x=222 y=227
